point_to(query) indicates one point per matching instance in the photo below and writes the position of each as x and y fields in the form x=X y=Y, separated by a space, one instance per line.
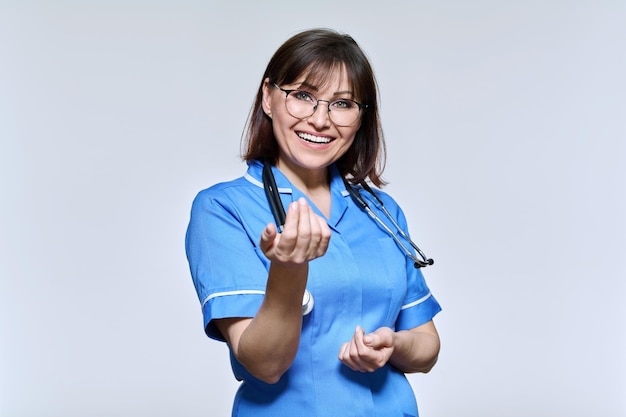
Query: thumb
x=267 y=237
x=370 y=339
x=377 y=339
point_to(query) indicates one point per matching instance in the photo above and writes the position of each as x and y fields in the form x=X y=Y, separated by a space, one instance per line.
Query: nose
x=321 y=115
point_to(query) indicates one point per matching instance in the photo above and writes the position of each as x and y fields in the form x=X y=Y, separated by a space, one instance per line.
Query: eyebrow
x=314 y=88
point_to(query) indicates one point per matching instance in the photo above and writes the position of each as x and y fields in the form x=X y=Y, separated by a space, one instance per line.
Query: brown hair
x=317 y=53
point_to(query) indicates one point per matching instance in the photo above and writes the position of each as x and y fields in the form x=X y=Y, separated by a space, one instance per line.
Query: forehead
x=322 y=78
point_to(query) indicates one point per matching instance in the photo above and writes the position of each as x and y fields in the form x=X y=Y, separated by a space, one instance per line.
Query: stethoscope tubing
x=273 y=196
x=278 y=211
x=356 y=196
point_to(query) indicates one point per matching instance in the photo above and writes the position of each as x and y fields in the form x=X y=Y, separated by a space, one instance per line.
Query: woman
x=368 y=318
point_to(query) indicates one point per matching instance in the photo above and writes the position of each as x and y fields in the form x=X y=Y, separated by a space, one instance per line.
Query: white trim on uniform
x=284 y=190
x=416 y=302
x=227 y=293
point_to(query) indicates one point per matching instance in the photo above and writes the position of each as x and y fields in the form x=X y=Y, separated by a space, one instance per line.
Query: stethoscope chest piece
x=307 y=302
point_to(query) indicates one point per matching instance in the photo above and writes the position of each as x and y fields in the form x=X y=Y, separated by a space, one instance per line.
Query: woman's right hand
x=305 y=236
x=267 y=344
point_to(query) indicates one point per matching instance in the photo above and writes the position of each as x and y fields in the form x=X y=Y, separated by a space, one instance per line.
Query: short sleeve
x=228 y=269
x=419 y=306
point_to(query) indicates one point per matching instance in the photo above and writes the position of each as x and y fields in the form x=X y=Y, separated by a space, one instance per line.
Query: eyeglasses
x=302 y=104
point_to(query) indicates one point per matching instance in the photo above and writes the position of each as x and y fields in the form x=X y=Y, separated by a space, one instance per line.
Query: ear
x=267 y=97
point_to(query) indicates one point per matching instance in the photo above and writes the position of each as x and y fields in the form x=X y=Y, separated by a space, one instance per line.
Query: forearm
x=416 y=350
x=268 y=345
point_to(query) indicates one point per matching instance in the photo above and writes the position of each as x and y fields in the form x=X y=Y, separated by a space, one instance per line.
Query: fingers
x=318 y=232
x=313 y=232
x=365 y=353
x=323 y=231
x=267 y=237
x=305 y=236
x=353 y=353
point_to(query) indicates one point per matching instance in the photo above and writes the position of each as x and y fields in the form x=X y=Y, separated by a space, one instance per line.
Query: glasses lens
x=301 y=104
x=344 y=112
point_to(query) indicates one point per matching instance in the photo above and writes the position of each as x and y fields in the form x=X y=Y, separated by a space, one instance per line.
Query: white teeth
x=315 y=139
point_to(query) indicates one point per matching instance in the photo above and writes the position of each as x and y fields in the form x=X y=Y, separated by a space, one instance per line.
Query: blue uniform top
x=363 y=279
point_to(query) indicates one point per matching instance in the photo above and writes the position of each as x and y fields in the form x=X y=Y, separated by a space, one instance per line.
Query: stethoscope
x=278 y=211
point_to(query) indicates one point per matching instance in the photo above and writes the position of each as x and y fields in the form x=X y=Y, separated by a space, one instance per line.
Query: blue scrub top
x=364 y=279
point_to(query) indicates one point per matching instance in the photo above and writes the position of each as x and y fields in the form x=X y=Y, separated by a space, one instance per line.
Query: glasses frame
x=361 y=106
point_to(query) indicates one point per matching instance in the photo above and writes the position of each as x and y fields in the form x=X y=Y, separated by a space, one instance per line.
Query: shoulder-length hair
x=317 y=54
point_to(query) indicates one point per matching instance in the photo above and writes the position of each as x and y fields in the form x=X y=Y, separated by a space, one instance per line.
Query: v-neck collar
x=290 y=193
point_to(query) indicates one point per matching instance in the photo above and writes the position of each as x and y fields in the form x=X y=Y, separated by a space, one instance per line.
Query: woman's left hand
x=367 y=353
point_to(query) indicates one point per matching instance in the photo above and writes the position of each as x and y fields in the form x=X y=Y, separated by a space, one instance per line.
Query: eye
x=303 y=96
x=343 y=104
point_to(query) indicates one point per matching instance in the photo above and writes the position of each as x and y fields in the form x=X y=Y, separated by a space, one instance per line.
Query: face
x=308 y=146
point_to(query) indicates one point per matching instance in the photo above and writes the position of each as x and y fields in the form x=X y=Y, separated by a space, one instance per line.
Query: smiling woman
x=308 y=137
x=313 y=140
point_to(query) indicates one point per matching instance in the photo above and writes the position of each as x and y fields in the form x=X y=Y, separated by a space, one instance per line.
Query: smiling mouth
x=314 y=139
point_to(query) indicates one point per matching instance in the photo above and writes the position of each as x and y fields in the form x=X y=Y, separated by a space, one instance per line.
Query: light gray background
x=506 y=131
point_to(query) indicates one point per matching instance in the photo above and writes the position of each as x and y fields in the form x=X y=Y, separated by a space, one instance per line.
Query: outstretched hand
x=368 y=352
x=305 y=236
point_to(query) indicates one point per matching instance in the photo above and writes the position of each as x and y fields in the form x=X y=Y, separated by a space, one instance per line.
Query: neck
x=307 y=180
x=315 y=184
